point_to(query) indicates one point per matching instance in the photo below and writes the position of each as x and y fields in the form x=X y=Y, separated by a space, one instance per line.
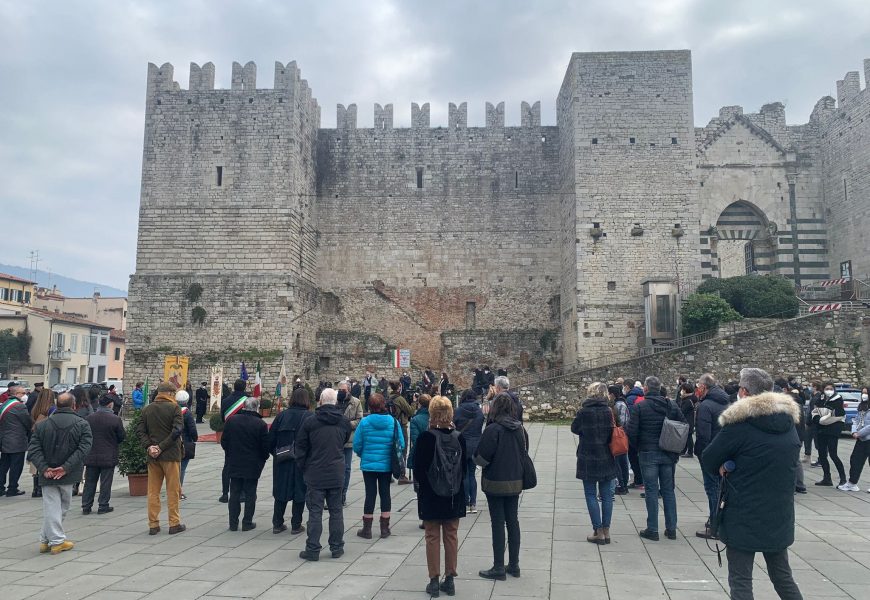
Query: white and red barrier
x=825 y=307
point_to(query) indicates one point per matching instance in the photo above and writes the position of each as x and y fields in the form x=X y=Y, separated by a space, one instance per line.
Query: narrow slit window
x=516 y=179
x=220 y=176
x=631 y=140
x=419 y=178
x=674 y=141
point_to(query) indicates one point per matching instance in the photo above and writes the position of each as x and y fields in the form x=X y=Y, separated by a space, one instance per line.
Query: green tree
x=755 y=296
x=704 y=312
x=14 y=347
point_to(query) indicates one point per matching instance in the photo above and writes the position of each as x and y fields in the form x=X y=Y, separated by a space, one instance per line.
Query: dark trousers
x=314 y=500
x=860 y=455
x=740 y=565
x=827 y=445
x=504 y=511
x=690 y=441
x=622 y=470
x=348 y=459
x=711 y=488
x=295 y=514
x=104 y=475
x=809 y=438
x=13 y=464
x=635 y=466
x=225 y=478
x=200 y=411
x=249 y=488
x=377 y=484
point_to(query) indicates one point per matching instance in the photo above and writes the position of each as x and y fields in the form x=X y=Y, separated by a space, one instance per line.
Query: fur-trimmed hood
x=770 y=411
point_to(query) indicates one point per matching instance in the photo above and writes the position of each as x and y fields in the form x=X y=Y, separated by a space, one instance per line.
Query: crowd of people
x=746 y=434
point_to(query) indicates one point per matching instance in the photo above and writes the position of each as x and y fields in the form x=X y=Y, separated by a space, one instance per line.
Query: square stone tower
x=226 y=257
x=629 y=204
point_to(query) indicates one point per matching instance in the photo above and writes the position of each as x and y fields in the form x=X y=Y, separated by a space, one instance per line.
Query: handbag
x=285 y=453
x=674 y=433
x=618 y=439
x=397 y=458
x=530 y=475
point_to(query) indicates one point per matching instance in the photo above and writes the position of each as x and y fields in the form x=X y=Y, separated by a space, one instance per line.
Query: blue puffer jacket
x=373 y=441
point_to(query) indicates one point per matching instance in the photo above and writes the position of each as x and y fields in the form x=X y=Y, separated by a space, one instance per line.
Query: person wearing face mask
x=15 y=429
x=861 y=451
x=829 y=416
x=758 y=436
x=353 y=412
x=815 y=392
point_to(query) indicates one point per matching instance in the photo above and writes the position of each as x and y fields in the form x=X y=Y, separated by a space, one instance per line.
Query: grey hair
x=252 y=404
x=707 y=380
x=66 y=400
x=345 y=385
x=502 y=382
x=755 y=381
x=653 y=384
x=328 y=396
x=182 y=397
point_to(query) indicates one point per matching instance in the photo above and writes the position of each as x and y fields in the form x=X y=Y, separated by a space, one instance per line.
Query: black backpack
x=446 y=471
x=392 y=409
x=58 y=453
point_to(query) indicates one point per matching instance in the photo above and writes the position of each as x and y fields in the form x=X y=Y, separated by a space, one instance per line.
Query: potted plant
x=217 y=425
x=133 y=458
x=265 y=407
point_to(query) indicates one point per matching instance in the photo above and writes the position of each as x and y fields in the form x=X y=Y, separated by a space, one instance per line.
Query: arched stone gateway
x=743 y=241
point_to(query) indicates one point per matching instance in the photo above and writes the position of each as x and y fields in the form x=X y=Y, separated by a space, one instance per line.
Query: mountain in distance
x=69 y=287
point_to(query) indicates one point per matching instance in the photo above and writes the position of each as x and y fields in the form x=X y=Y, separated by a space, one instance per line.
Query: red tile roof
x=14 y=278
x=65 y=318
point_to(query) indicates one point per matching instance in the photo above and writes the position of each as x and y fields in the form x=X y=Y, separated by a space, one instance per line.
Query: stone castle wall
x=332 y=247
x=832 y=346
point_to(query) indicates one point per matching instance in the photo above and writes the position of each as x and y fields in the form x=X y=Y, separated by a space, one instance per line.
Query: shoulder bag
x=618 y=438
x=674 y=432
x=530 y=475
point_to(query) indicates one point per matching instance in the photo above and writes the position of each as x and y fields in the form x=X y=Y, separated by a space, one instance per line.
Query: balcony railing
x=60 y=355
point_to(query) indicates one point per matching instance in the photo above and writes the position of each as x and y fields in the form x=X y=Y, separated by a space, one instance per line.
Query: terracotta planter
x=218 y=435
x=138 y=484
x=265 y=412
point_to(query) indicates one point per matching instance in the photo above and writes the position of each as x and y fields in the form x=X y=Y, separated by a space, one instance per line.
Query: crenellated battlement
x=457 y=116
x=850 y=85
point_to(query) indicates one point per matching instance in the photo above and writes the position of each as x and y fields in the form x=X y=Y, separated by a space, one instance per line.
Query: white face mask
x=829 y=393
x=864 y=397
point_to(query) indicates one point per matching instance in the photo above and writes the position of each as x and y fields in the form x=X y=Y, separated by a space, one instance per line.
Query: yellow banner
x=175 y=370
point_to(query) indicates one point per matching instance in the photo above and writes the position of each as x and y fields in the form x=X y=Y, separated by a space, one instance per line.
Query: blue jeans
x=183 y=469
x=348 y=458
x=658 y=475
x=600 y=515
x=711 y=487
x=470 y=482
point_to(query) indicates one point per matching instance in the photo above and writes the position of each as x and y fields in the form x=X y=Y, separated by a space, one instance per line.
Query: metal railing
x=725 y=330
x=58 y=354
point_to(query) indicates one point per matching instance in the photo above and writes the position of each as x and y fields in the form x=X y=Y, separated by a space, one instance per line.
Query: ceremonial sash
x=236 y=407
x=7 y=406
x=184 y=410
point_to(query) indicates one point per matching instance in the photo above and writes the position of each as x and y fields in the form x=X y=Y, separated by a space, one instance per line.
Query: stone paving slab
x=116 y=559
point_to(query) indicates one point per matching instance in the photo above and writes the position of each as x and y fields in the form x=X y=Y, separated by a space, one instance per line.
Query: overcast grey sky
x=72 y=80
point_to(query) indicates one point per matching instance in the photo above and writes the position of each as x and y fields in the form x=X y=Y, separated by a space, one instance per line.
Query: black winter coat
x=500 y=453
x=687 y=405
x=15 y=429
x=108 y=432
x=246 y=442
x=287 y=481
x=835 y=404
x=645 y=424
x=707 y=421
x=594 y=424
x=758 y=434
x=431 y=507
x=189 y=434
x=320 y=447
x=469 y=419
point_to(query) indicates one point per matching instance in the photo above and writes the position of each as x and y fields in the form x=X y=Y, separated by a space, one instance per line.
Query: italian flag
x=258 y=383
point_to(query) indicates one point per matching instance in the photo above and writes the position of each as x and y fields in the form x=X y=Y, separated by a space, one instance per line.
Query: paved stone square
x=116 y=559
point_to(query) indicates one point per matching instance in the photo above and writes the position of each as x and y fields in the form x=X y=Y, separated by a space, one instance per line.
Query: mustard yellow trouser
x=157 y=472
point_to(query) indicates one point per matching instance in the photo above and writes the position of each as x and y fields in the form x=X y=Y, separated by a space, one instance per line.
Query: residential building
x=16 y=292
x=110 y=311
x=117 y=348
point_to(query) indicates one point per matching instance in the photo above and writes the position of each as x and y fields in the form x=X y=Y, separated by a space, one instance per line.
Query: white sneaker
x=849 y=487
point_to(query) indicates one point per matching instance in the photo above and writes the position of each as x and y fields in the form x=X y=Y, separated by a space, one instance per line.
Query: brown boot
x=385 y=527
x=366 y=530
x=605 y=533
x=597 y=537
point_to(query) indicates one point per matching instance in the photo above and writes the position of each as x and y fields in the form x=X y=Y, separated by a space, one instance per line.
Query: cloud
x=72 y=79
